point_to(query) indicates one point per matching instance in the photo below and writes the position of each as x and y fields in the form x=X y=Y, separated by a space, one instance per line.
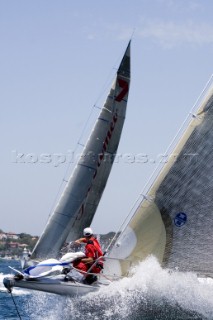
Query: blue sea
x=151 y=293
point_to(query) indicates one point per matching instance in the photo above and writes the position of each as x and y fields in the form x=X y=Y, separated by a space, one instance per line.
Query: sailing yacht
x=80 y=198
x=174 y=219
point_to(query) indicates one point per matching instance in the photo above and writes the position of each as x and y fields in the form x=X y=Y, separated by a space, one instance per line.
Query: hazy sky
x=57 y=59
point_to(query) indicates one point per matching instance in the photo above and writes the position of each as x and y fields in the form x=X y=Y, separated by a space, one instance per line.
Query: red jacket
x=93 y=250
x=95 y=241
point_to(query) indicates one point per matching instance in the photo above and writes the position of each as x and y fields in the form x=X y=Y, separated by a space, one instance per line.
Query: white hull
x=52 y=285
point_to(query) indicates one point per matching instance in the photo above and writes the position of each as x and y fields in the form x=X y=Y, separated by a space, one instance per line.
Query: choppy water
x=150 y=294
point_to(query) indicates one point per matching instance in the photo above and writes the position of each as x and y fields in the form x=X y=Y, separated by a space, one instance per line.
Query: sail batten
x=79 y=201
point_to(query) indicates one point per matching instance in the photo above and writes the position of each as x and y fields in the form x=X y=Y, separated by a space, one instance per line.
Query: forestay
x=79 y=201
x=174 y=221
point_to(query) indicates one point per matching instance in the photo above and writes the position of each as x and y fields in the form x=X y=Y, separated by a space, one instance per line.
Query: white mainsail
x=79 y=201
x=174 y=221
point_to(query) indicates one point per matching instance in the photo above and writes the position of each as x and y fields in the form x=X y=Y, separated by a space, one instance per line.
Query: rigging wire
x=160 y=167
x=65 y=179
x=15 y=304
x=94 y=107
x=182 y=128
x=16 y=307
x=105 y=86
x=109 y=79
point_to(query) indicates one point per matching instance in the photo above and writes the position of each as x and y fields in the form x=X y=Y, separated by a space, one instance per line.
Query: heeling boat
x=174 y=220
x=79 y=201
x=81 y=197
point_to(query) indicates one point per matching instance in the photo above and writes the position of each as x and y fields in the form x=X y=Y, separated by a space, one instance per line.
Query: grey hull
x=50 y=285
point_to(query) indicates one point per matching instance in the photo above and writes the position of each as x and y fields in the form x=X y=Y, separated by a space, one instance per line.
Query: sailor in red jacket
x=93 y=252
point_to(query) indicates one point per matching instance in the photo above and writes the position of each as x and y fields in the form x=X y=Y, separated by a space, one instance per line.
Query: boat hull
x=50 y=285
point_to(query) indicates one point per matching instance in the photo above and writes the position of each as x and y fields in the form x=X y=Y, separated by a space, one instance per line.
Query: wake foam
x=149 y=293
x=150 y=283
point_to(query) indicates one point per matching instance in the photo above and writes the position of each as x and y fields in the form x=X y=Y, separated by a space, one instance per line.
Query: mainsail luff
x=174 y=221
x=79 y=201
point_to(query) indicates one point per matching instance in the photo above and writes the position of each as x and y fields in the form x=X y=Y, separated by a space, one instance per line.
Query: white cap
x=88 y=232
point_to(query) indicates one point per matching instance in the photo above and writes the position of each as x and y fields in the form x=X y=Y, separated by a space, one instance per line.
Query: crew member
x=88 y=234
x=93 y=251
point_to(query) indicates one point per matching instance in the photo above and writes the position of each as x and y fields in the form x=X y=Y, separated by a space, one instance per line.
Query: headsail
x=79 y=201
x=175 y=220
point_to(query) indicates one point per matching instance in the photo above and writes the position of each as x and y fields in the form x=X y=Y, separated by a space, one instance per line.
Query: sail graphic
x=79 y=201
x=174 y=221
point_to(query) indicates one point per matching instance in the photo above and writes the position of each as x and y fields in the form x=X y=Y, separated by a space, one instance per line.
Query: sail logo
x=125 y=87
x=180 y=219
x=107 y=139
x=100 y=159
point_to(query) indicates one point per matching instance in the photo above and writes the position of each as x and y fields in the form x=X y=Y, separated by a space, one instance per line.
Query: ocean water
x=151 y=293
